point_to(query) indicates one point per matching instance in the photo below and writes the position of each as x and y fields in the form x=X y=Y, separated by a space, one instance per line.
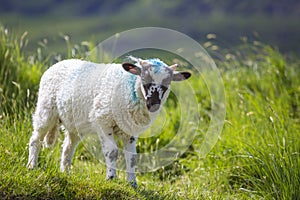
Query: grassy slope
x=257 y=156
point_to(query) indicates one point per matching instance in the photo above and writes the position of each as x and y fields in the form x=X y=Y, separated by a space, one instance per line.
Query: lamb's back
x=77 y=94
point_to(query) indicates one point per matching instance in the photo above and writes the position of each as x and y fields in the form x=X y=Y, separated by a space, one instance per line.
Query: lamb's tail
x=51 y=136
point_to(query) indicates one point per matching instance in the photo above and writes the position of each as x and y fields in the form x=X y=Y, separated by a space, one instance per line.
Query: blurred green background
x=274 y=22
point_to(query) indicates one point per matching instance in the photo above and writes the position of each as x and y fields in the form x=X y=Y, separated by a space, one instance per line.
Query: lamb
x=104 y=99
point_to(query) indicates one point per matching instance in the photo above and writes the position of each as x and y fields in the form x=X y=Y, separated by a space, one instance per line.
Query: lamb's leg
x=34 y=147
x=43 y=120
x=130 y=157
x=69 y=146
x=110 y=151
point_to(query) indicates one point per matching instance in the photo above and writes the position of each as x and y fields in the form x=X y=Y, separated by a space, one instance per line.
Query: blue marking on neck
x=131 y=82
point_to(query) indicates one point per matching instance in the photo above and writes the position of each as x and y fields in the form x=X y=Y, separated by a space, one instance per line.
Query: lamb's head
x=156 y=77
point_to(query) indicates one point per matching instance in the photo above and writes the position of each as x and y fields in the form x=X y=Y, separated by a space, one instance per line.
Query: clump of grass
x=262 y=112
x=19 y=74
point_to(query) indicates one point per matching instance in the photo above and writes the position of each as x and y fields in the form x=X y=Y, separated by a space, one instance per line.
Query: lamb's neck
x=138 y=91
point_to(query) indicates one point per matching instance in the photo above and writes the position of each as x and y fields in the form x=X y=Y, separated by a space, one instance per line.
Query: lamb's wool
x=110 y=96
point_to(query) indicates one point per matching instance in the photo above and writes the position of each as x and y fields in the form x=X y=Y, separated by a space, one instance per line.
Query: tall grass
x=257 y=155
x=19 y=74
x=263 y=115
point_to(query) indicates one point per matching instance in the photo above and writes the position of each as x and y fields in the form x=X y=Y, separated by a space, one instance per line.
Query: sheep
x=104 y=99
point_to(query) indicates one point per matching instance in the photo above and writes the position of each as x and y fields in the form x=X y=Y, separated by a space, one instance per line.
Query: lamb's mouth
x=154 y=108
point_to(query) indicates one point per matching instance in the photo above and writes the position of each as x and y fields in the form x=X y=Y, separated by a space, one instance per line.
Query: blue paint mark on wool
x=131 y=82
x=157 y=64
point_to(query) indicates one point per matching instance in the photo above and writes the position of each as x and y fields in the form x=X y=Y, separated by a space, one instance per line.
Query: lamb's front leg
x=130 y=157
x=110 y=151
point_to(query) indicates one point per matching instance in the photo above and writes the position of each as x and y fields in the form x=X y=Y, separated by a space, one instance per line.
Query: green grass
x=256 y=157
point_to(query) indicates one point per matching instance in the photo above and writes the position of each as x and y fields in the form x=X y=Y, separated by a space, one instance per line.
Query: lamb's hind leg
x=69 y=146
x=44 y=120
x=34 y=147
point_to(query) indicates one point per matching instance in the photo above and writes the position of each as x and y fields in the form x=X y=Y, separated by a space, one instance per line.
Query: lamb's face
x=156 y=78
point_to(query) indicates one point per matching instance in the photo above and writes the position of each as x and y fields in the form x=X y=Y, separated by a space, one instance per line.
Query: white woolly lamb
x=104 y=99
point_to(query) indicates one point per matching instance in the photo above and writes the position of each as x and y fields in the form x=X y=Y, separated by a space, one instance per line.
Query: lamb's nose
x=153 y=104
x=153 y=108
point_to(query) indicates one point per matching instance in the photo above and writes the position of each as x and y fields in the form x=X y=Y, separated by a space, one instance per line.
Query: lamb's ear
x=181 y=76
x=131 y=68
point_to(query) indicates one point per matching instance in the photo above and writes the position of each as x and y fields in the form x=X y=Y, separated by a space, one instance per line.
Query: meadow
x=257 y=155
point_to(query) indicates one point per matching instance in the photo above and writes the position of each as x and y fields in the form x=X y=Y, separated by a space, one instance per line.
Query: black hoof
x=134 y=185
x=110 y=178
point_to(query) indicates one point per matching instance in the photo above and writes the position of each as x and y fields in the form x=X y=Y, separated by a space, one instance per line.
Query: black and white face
x=156 y=78
x=156 y=82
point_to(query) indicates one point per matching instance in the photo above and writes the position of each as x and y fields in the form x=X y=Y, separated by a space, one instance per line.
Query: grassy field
x=257 y=155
